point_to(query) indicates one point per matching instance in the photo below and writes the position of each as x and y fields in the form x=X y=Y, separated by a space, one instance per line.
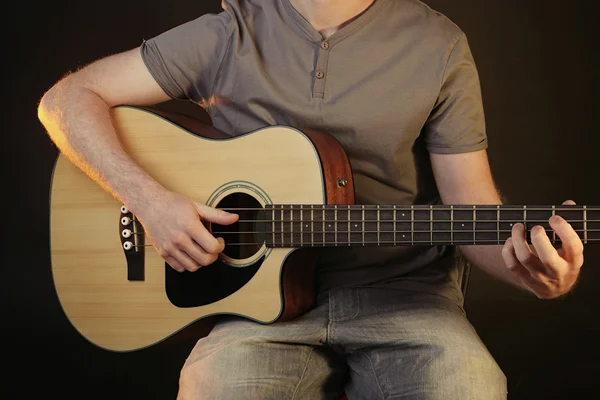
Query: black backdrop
x=538 y=62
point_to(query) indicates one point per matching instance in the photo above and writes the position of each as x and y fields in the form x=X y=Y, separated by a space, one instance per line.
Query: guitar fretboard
x=393 y=225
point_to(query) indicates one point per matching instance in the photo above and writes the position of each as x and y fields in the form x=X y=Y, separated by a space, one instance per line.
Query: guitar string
x=469 y=231
x=343 y=221
x=420 y=207
x=361 y=243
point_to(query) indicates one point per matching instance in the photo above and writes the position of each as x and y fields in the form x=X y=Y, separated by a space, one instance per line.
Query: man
x=396 y=84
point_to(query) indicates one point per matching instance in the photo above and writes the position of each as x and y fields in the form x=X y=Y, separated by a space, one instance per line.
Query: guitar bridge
x=132 y=237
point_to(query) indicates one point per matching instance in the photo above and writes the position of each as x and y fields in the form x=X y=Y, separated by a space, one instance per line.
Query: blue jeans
x=370 y=343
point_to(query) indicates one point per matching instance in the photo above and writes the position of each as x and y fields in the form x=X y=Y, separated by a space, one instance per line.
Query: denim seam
x=375 y=375
x=351 y=317
x=303 y=373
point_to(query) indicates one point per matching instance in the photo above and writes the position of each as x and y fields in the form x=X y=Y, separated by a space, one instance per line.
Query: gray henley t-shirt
x=394 y=84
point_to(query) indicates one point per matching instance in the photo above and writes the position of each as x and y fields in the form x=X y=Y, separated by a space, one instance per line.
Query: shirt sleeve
x=457 y=123
x=185 y=60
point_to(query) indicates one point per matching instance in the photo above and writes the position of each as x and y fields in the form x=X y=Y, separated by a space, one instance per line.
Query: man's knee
x=443 y=371
x=470 y=373
x=254 y=369
x=197 y=381
x=213 y=370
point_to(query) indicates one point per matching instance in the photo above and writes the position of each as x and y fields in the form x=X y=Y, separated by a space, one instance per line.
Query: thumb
x=215 y=215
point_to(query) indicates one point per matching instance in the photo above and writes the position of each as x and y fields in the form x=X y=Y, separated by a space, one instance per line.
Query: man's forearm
x=489 y=259
x=79 y=123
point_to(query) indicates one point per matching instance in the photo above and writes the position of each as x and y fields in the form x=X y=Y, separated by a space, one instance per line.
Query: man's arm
x=75 y=112
x=465 y=178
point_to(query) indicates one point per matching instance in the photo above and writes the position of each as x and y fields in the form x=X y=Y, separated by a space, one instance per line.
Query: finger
x=513 y=264
x=207 y=241
x=537 y=287
x=568 y=203
x=174 y=264
x=185 y=260
x=524 y=253
x=555 y=265
x=215 y=215
x=571 y=245
x=197 y=253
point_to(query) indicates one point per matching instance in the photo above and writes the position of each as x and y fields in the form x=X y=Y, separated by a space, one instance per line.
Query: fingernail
x=538 y=229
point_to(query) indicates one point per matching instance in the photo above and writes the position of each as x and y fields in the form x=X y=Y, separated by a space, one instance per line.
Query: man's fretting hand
x=546 y=271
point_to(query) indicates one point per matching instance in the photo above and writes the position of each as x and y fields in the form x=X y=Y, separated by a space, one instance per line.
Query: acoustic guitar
x=292 y=189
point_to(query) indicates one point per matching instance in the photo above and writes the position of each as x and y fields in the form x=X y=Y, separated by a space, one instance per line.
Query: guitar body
x=120 y=309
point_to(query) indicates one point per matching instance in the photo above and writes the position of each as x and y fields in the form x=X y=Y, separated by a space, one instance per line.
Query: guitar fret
x=335 y=225
x=498 y=222
x=378 y=225
x=412 y=224
x=395 y=225
x=324 y=234
x=553 y=232
x=301 y=227
x=363 y=225
x=525 y=220
x=474 y=224
x=431 y=224
x=349 y=225
x=282 y=228
x=585 y=232
x=452 y=224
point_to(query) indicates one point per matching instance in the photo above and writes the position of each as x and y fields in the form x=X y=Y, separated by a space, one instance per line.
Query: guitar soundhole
x=244 y=238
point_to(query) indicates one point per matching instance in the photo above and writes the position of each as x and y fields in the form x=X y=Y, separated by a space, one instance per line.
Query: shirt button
x=325 y=45
x=320 y=74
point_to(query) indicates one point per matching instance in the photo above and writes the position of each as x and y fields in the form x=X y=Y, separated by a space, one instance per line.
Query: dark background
x=538 y=62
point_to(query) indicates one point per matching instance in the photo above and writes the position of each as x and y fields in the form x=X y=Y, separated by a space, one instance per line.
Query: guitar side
x=89 y=266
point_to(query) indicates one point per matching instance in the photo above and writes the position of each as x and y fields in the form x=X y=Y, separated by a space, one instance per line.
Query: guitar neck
x=393 y=225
